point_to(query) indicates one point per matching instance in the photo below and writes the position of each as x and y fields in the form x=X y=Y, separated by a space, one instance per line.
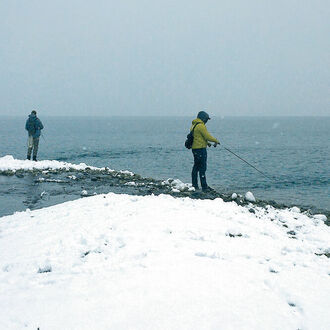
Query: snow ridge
x=9 y=163
x=132 y=262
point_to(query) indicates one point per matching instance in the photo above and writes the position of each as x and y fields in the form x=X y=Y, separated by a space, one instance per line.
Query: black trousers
x=200 y=160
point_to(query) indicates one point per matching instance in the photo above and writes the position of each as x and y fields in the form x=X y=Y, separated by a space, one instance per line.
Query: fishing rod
x=247 y=163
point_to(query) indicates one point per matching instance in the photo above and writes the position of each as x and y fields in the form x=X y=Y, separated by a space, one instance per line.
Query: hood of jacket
x=32 y=117
x=197 y=120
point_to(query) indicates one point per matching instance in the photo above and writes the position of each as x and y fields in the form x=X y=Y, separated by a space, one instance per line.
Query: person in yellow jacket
x=202 y=139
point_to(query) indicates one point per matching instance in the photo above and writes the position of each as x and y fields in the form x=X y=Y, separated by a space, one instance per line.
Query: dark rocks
x=234 y=235
x=45 y=269
x=327 y=254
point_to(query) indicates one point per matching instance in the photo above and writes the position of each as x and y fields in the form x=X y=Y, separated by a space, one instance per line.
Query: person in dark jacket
x=34 y=126
x=202 y=139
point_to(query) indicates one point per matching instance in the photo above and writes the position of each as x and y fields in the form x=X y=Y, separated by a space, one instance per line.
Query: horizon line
x=167 y=116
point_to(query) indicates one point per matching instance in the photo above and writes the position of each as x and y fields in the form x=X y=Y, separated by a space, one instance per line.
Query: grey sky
x=75 y=57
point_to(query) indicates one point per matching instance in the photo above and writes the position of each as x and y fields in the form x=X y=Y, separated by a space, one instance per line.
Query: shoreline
x=48 y=177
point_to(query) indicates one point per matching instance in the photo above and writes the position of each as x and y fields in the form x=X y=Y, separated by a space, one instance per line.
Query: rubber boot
x=35 y=158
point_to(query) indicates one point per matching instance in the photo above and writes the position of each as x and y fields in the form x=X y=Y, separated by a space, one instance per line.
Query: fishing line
x=271 y=178
x=248 y=163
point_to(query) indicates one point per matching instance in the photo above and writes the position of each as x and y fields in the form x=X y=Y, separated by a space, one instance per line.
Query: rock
x=45 y=269
x=249 y=197
x=234 y=196
x=234 y=235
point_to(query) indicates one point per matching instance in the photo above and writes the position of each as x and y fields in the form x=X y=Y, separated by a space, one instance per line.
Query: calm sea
x=294 y=150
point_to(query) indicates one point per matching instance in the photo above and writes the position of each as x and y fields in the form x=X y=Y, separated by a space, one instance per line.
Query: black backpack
x=190 y=138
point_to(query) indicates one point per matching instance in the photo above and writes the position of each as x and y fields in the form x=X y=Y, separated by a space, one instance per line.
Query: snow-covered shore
x=9 y=163
x=131 y=262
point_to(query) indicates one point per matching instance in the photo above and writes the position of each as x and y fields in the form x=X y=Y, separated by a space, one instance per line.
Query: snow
x=320 y=217
x=249 y=197
x=9 y=163
x=177 y=185
x=234 y=196
x=295 y=209
x=159 y=262
x=132 y=183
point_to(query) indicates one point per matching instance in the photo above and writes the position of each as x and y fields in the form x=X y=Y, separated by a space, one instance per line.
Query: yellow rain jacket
x=201 y=135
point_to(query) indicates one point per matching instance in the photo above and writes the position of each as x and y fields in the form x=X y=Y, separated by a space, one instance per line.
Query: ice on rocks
x=249 y=197
x=177 y=185
x=131 y=183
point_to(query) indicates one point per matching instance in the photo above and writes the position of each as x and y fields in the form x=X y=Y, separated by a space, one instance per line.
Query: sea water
x=293 y=151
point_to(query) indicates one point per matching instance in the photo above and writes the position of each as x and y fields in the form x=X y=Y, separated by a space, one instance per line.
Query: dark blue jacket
x=34 y=126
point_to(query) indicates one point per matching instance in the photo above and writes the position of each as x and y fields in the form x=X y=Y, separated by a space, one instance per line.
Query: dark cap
x=203 y=116
x=33 y=112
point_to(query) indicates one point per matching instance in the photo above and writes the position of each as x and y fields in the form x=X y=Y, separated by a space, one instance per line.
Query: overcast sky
x=141 y=57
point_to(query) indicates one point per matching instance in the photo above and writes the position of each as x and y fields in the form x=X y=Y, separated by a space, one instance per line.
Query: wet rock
x=7 y=173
